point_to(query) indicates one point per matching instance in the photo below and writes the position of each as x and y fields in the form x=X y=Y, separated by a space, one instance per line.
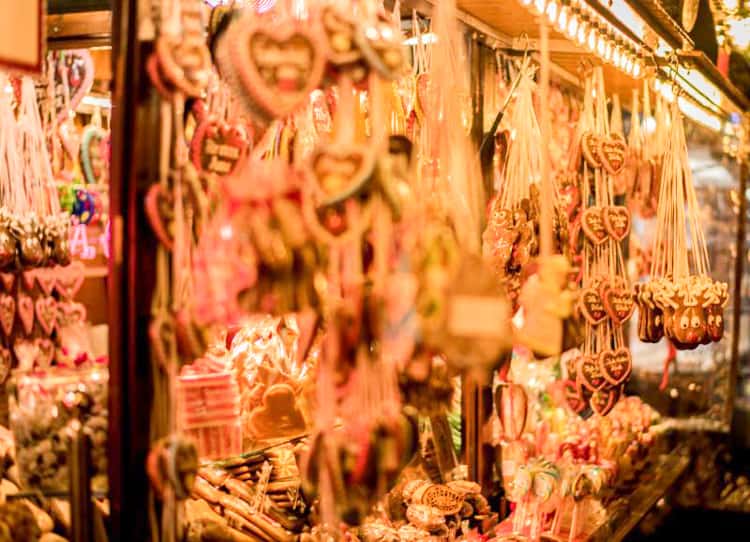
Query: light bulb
x=539 y=5
x=591 y=41
x=657 y=84
x=616 y=56
x=608 y=52
x=572 y=26
x=601 y=46
x=637 y=68
x=629 y=66
x=552 y=11
x=581 y=35
x=562 y=20
x=526 y=2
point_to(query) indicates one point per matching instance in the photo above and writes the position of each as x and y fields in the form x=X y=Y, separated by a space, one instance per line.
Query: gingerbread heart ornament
x=573 y=396
x=26 y=312
x=218 y=147
x=277 y=62
x=591 y=306
x=45 y=352
x=592 y=224
x=7 y=313
x=615 y=366
x=589 y=375
x=46 y=279
x=619 y=304
x=590 y=148
x=70 y=279
x=603 y=401
x=8 y=280
x=185 y=62
x=26 y=352
x=46 y=313
x=158 y=204
x=616 y=221
x=340 y=171
x=6 y=361
x=93 y=159
x=74 y=73
x=611 y=153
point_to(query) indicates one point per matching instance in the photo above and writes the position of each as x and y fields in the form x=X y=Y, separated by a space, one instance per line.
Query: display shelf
x=625 y=511
x=654 y=15
x=622 y=511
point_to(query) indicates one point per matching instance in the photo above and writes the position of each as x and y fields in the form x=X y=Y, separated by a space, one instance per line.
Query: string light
x=581 y=35
x=562 y=19
x=552 y=11
x=590 y=30
x=601 y=46
x=637 y=69
x=572 y=29
x=591 y=41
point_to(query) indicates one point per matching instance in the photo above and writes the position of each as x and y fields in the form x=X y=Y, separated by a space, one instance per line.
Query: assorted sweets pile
x=248 y=391
x=258 y=494
x=561 y=470
x=419 y=510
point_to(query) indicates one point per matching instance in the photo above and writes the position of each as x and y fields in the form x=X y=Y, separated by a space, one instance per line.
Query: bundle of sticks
x=248 y=499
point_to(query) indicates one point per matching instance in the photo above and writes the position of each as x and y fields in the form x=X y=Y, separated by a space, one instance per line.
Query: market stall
x=366 y=271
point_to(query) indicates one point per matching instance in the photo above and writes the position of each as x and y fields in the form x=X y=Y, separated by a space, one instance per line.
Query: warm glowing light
x=629 y=66
x=637 y=68
x=616 y=57
x=552 y=11
x=572 y=28
x=562 y=20
x=608 y=52
x=601 y=46
x=581 y=35
x=591 y=41
x=539 y=5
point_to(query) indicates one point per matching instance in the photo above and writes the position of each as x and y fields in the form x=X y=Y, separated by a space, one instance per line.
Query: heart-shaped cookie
x=45 y=352
x=218 y=147
x=278 y=62
x=590 y=149
x=7 y=313
x=46 y=313
x=603 y=401
x=592 y=224
x=74 y=75
x=28 y=279
x=611 y=153
x=592 y=307
x=70 y=279
x=340 y=171
x=26 y=352
x=6 y=361
x=619 y=304
x=7 y=280
x=185 y=62
x=92 y=155
x=25 y=307
x=423 y=95
x=570 y=198
x=159 y=204
x=616 y=221
x=573 y=396
x=69 y=313
x=589 y=375
x=615 y=365
x=46 y=279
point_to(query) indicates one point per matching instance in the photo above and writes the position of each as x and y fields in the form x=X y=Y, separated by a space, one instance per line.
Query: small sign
x=22 y=35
